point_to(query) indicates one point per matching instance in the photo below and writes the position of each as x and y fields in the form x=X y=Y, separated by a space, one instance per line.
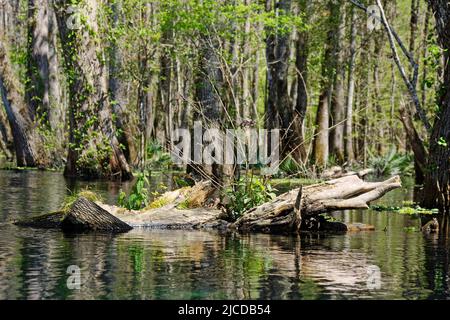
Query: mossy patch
x=158 y=203
x=69 y=200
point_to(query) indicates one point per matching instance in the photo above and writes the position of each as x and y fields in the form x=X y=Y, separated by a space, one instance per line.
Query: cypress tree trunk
x=437 y=178
x=349 y=155
x=321 y=140
x=301 y=64
x=209 y=108
x=94 y=150
x=43 y=90
x=28 y=144
x=338 y=100
x=118 y=90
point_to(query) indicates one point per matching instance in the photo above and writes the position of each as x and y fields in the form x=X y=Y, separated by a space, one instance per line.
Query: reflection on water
x=205 y=265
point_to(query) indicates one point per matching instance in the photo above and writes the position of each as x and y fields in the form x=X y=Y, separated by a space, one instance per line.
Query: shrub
x=138 y=197
x=392 y=163
x=157 y=158
x=246 y=193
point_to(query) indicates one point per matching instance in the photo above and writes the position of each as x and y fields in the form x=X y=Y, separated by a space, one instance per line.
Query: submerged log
x=84 y=215
x=298 y=209
x=50 y=220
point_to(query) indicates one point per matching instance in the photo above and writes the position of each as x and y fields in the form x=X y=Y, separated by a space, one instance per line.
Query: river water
x=393 y=262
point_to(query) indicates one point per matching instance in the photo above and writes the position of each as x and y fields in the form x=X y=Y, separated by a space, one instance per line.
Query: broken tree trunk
x=195 y=208
x=341 y=194
x=84 y=215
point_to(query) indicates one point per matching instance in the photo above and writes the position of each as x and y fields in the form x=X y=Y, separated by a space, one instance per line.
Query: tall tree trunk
x=43 y=91
x=376 y=94
x=279 y=109
x=118 y=89
x=301 y=64
x=437 y=178
x=321 y=140
x=29 y=148
x=337 y=108
x=349 y=155
x=208 y=111
x=94 y=150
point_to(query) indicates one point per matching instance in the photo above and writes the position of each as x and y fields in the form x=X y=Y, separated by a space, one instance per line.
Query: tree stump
x=85 y=215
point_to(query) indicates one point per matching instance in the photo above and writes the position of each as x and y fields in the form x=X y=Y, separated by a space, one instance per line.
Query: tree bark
x=209 y=109
x=43 y=90
x=349 y=154
x=6 y=144
x=94 y=150
x=301 y=64
x=279 y=109
x=84 y=215
x=437 y=178
x=29 y=148
x=337 y=108
x=118 y=89
x=321 y=140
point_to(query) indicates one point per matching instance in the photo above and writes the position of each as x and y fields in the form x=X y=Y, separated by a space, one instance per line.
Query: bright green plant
x=138 y=197
x=246 y=193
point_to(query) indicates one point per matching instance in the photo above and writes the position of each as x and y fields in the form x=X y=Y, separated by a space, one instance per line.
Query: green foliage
x=392 y=163
x=246 y=193
x=138 y=197
x=442 y=142
x=94 y=158
x=408 y=209
x=157 y=158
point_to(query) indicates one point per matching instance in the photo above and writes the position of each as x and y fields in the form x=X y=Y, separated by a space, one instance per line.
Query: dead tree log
x=85 y=215
x=189 y=208
x=344 y=193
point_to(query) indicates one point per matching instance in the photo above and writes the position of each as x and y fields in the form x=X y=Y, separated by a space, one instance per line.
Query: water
x=208 y=265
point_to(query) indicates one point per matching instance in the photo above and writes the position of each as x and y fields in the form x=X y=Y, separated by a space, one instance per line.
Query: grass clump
x=85 y=193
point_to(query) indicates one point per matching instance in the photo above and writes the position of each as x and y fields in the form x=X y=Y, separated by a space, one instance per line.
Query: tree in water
x=94 y=150
x=437 y=175
x=28 y=144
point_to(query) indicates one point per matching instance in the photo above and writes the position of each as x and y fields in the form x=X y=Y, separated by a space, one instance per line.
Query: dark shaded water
x=205 y=265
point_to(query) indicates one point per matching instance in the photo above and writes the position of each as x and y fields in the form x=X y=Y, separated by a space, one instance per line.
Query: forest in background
x=97 y=87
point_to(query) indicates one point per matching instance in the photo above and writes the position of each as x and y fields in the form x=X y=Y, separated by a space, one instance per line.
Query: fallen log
x=349 y=192
x=290 y=212
x=339 y=172
x=84 y=215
